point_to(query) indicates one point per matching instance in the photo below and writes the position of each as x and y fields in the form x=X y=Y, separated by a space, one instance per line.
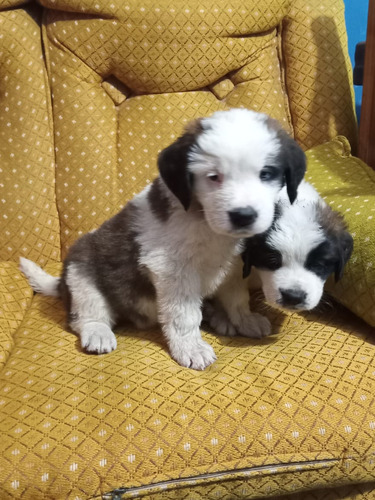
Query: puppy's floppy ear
x=247 y=262
x=293 y=161
x=252 y=246
x=173 y=164
x=345 y=249
x=255 y=247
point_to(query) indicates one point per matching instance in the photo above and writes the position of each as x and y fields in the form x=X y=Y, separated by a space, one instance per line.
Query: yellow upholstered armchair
x=90 y=92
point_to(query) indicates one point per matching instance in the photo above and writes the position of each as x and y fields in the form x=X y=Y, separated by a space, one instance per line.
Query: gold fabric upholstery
x=348 y=185
x=29 y=221
x=268 y=417
x=90 y=92
x=186 y=62
x=318 y=76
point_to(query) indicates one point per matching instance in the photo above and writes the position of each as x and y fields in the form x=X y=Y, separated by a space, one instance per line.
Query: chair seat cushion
x=15 y=298
x=290 y=412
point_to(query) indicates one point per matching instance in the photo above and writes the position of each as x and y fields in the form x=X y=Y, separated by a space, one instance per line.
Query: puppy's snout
x=243 y=217
x=292 y=297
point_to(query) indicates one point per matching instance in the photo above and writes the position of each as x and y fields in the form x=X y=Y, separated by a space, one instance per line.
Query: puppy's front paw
x=98 y=337
x=194 y=353
x=253 y=325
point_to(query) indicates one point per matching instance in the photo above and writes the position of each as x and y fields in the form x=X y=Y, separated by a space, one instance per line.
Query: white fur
x=229 y=312
x=40 y=281
x=186 y=264
x=295 y=277
x=296 y=233
x=90 y=314
x=228 y=149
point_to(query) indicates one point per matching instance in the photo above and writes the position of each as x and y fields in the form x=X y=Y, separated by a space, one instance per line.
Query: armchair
x=90 y=92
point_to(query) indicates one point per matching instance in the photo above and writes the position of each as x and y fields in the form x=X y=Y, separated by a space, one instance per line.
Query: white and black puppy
x=175 y=242
x=307 y=242
x=291 y=261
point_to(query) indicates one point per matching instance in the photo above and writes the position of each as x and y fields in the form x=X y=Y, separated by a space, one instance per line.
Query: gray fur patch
x=110 y=257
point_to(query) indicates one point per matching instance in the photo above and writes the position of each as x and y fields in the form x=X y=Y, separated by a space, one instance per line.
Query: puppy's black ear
x=257 y=252
x=252 y=249
x=345 y=249
x=294 y=163
x=247 y=262
x=173 y=164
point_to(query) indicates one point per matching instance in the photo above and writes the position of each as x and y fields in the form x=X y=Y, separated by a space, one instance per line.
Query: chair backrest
x=125 y=76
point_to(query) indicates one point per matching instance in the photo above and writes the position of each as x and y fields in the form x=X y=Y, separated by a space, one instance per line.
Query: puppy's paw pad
x=98 y=338
x=219 y=321
x=196 y=355
x=255 y=325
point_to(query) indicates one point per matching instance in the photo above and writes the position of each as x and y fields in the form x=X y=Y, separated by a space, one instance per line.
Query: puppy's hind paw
x=98 y=338
x=218 y=320
x=254 y=325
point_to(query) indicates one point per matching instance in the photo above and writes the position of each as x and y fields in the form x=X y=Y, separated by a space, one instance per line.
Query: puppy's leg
x=180 y=315
x=229 y=312
x=89 y=312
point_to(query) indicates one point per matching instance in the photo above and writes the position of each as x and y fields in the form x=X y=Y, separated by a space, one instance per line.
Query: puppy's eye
x=215 y=177
x=269 y=174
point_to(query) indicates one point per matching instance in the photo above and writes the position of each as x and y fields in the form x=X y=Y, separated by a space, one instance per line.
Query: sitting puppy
x=174 y=243
x=306 y=243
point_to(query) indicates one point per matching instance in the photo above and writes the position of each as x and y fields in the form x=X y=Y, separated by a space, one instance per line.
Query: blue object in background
x=356 y=12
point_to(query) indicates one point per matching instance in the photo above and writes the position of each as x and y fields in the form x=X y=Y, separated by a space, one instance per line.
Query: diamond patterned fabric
x=274 y=415
x=290 y=415
x=102 y=56
x=5 y=4
x=352 y=492
x=28 y=221
x=188 y=63
x=349 y=187
x=15 y=298
x=319 y=75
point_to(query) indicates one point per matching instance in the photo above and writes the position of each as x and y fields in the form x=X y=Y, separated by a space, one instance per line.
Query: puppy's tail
x=39 y=280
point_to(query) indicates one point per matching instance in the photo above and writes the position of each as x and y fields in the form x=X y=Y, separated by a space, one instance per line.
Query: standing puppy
x=174 y=243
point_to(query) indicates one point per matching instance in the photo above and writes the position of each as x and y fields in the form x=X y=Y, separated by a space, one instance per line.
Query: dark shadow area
x=53 y=311
x=333 y=314
x=329 y=312
x=257 y=305
x=331 y=80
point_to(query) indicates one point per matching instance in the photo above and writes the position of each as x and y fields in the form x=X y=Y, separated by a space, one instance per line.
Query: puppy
x=307 y=242
x=292 y=260
x=175 y=242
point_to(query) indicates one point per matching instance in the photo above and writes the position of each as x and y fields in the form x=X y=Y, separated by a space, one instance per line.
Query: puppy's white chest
x=185 y=248
x=215 y=263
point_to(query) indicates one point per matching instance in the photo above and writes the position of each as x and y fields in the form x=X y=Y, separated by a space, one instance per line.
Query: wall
x=356 y=23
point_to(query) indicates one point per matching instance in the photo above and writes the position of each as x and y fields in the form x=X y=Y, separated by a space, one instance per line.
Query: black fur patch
x=259 y=254
x=173 y=164
x=322 y=260
x=159 y=201
x=292 y=159
x=331 y=255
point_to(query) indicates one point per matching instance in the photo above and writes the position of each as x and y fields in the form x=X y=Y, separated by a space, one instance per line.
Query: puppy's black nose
x=292 y=297
x=242 y=217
